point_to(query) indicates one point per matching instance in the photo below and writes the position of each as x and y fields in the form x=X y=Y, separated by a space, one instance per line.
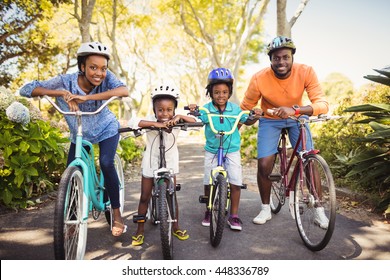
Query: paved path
x=28 y=234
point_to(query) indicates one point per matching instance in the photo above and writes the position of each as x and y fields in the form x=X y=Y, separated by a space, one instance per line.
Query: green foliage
x=31 y=158
x=249 y=142
x=371 y=164
x=131 y=150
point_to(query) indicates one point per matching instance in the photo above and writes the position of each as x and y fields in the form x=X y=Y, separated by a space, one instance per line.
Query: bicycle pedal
x=178 y=187
x=244 y=186
x=203 y=199
x=275 y=177
x=139 y=219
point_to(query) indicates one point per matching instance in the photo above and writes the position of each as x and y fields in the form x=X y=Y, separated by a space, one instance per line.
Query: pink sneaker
x=206 y=220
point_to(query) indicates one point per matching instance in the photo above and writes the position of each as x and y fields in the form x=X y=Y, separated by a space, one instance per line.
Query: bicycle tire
x=166 y=220
x=119 y=171
x=218 y=210
x=70 y=228
x=278 y=191
x=310 y=197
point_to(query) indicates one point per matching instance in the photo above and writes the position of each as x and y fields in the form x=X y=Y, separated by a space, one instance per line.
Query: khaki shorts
x=232 y=165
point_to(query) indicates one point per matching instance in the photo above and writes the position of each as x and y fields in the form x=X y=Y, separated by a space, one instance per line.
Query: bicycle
x=310 y=183
x=219 y=200
x=162 y=207
x=81 y=191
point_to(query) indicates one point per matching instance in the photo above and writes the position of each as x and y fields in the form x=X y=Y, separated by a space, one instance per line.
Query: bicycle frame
x=86 y=161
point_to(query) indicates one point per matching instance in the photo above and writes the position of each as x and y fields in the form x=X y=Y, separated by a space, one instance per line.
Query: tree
x=84 y=16
x=228 y=31
x=23 y=36
x=284 y=26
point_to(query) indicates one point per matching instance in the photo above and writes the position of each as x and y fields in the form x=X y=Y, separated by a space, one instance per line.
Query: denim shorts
x=232 y=165
x=269 y=133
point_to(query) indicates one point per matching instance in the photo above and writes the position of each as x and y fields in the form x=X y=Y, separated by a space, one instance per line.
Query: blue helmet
x=219 y=76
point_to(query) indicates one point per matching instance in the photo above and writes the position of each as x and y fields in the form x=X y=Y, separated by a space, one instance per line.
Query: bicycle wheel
x=166 y=212
x=70 y=229
x=278 y=190
x=121 y=177
x=218 y=210
x=315 y=203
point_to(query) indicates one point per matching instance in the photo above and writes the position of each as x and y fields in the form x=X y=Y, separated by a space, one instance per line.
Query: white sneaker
x=320 y=218
x=291 y=204
x=264 y=215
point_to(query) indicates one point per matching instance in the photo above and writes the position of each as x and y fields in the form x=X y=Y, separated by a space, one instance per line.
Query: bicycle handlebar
x=80 y=113
x=319 y=118
x=211 y=115
x=183 y=126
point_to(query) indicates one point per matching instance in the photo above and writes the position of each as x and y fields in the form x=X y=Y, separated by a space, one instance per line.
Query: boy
x=220 y=89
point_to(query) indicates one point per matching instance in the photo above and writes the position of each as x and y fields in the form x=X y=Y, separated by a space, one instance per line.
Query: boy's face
x=164 y=109
x=220 y=94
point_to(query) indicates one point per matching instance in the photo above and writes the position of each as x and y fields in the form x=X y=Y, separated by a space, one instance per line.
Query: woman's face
x=164 y=109
x=95 y=69
x=220 y=94
x=281 y=62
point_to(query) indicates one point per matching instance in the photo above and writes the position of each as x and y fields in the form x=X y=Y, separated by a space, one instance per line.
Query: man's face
x=281 y=62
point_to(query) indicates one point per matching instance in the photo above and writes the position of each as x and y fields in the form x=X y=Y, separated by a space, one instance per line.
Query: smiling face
x=95 y=69
x=281 y=62
x=164 y=109
x=220 y=94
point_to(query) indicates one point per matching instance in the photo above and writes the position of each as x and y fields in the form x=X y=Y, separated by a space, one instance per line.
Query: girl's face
x=220 y=94
x=164 y=109
x=95 y=69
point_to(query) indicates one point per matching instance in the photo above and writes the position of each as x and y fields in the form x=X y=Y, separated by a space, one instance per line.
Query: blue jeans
x=107 y=149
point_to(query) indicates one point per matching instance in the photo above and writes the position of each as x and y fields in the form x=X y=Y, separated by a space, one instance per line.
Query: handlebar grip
x=125 y=129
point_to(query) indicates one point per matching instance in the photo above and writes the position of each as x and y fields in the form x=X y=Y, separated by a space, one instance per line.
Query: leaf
x=368 y=107
x=379 y=79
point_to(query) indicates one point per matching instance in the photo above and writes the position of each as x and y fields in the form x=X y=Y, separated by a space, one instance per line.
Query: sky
x=351 y=37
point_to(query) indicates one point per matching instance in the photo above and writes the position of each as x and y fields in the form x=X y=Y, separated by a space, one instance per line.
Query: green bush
x=32 y=157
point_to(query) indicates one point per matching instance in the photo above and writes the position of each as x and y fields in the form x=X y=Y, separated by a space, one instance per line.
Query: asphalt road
x=28 y=234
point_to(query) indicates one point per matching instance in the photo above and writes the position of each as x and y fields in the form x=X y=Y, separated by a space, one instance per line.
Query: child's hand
x=161 y=124
x=192 y=107
x=258 y=113
x=174 y=121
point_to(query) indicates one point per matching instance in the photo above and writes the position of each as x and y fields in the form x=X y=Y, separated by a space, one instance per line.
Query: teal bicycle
x=81 y=192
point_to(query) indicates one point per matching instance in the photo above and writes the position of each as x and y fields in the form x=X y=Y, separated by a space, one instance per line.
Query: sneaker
x=234 y=222
x=320 y=218
x=264 y=215
x=206 y=220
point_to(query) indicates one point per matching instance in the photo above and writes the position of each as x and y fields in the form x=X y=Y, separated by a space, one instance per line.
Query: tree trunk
x=283 y=25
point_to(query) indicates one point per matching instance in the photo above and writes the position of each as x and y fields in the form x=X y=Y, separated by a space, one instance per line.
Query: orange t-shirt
x=273 y=92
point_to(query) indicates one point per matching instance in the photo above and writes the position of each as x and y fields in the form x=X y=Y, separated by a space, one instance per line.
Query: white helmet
x=165 y=91
x=93 y=48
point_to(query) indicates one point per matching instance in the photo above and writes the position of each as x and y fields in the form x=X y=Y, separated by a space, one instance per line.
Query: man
x=281 y=87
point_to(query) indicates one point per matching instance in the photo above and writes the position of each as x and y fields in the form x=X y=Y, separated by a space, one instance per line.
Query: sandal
x=118 y=229
x=137 y=240
x=181 y=234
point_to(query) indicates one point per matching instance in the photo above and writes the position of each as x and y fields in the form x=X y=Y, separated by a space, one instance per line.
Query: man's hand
x=282 y=112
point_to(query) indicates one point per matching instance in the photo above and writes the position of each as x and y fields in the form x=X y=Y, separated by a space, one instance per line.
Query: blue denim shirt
x=232 y=142
x=96 y=128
